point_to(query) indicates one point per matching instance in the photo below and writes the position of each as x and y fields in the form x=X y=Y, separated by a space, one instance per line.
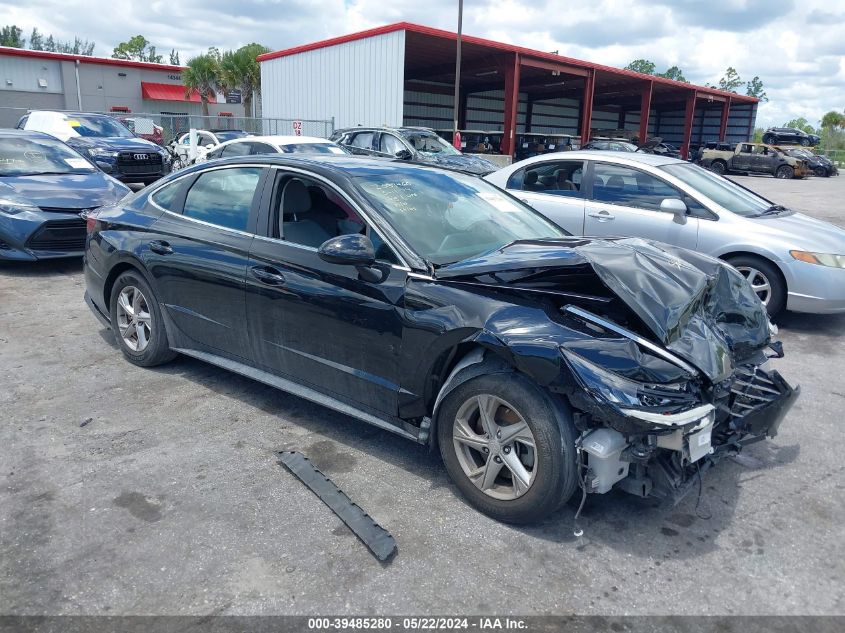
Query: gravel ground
x=133 y=491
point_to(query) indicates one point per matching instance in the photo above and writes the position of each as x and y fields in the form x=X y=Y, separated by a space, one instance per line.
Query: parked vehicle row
x=430 y=303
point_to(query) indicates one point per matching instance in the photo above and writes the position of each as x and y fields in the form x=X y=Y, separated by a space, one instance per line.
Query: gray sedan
x=792 y=261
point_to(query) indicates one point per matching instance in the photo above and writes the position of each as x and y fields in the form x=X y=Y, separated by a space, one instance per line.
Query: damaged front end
x=662 y=361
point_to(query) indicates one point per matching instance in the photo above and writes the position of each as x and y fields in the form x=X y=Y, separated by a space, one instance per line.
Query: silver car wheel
x=133 y=319
x=759 y=283
x=495 y=447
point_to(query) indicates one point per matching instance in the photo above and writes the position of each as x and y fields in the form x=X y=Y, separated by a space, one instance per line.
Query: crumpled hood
x=461 y=162
x=698 y=307
x=66 y=191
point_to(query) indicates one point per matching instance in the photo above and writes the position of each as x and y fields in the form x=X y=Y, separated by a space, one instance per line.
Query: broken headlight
x=627 y=394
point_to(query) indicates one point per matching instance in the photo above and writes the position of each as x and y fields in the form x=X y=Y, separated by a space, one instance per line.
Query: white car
x=792 y=261
x=272 y=145
x=206 y=141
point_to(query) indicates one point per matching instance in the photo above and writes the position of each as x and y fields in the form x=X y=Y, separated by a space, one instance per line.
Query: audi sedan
x=432 y=304
x=793 y=261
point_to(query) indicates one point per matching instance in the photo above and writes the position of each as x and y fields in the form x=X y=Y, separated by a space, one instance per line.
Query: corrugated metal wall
x=358 y=82
x=705 y=124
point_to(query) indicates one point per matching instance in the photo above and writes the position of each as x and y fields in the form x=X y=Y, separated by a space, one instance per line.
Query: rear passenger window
x=557 y=178
x=223 y=197
x=165 y=196
x=236 y=149
x=363 y=140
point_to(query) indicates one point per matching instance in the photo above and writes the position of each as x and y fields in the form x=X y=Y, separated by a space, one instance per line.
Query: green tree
x=674 y=73
x=239 y=70
x=731 y=81
x=174 y=57
x=11 y=36
x=754 y=88
x=203 y=75
x=36 y=40
x=758 y=134
x=802 y=124
x=137 y=48
x=641 y=66
x=833 y=119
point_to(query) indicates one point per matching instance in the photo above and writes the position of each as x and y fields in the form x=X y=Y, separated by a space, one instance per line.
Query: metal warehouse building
x=38 y=80
x=404 y=74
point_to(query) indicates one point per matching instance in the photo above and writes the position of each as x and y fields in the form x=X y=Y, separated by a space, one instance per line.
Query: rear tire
x=514 y=482
x=785 y=172
x=137 y=322
x=766 y=280
x=719 y=167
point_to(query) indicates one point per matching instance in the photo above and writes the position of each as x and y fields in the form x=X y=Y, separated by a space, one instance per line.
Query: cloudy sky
x=797 y=47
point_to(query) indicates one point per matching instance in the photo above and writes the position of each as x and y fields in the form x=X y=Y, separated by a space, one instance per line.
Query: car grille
x=59 y=235
x=127 y=163
x=63 y=210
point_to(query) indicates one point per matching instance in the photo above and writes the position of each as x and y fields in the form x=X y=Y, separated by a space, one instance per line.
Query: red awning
x=167 y=92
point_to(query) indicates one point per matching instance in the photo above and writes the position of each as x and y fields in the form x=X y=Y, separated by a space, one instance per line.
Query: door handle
x=602 y=216
x=268 y=275
x=161 y=247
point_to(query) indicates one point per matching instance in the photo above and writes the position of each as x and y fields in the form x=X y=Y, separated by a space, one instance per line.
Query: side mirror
x=403 y=154
x=209 y=146
x=676 y=207
x=104 y=166
x=352 y=250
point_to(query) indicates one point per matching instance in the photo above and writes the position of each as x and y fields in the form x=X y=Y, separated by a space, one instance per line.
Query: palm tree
x=203 y=75
x=240 y=70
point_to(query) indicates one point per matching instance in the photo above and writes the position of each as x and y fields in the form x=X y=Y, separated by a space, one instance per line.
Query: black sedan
x=433 y=304
x=45 y=187
x=777 y=135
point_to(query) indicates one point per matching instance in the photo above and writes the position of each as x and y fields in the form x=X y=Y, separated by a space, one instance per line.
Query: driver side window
x=391 y=145
x=308 y=212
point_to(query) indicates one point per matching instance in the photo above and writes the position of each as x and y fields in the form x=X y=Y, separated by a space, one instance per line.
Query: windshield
x=428 y=143
x=228 y=135
x=98 y=126
x=719 y=189
x=312 y=148
x=34 y=156
x=447 y=217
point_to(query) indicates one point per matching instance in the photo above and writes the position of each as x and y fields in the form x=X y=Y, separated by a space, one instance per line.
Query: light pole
x=456 y=139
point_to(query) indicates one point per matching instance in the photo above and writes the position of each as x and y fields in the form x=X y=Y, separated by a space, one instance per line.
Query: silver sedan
x=793 y=261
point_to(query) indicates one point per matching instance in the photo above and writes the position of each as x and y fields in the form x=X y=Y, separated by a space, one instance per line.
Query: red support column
x=511 y=106
x=587 y=106
x=723 y=125
x=689 y=112
x=645 y=109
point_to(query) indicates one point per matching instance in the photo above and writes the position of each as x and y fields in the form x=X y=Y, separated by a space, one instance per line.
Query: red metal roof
x=167 y=92
x=87 y=59
x=500 y=46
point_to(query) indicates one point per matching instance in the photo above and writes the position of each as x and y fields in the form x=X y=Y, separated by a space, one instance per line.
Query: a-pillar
x=587 y=106
x=511 y=105
x=645 y=108
x=689 y=112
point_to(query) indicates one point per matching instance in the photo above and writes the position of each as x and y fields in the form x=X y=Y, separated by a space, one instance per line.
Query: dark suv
x=106 y=141
x=777 y=135
x=415 y=144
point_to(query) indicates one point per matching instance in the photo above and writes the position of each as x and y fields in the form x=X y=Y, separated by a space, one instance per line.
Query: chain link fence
x=164 y=127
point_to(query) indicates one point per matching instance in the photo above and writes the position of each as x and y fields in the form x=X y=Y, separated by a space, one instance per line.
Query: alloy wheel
x=133 y=319
x=495 y=447
x=759 y=283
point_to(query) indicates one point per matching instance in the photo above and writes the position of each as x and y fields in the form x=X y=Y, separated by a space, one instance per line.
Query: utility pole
x=456 y=139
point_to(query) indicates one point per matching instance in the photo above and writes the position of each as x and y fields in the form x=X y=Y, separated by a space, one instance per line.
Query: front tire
x=805 y=142
x=137 y=322
x=719 y=167
x=785 y=172
x=506 y=448
x=765 y=280
x=768 y=139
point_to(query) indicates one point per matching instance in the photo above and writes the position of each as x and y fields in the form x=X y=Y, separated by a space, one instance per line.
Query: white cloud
x=796 y=47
